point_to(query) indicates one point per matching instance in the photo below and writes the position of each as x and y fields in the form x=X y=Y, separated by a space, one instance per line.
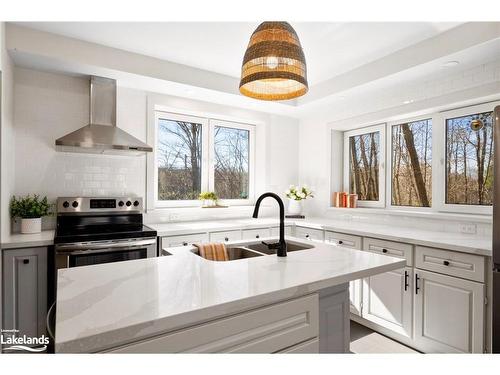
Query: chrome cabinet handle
x=96 y=246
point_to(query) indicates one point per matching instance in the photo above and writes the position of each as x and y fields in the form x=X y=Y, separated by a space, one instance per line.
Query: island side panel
x=334 y=326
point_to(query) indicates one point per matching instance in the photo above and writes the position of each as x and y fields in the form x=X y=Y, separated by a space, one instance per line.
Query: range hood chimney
x=102 y=136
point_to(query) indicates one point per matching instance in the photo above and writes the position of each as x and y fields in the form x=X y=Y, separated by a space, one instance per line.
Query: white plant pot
x=209 y=203
x=294 y=207
x=31 y=225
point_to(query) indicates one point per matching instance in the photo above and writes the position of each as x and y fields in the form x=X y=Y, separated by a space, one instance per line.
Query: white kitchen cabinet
x=343 y=239
x=183 y=240
x=387 y=300
x=391 y=248
x=449 y=314
x=275 y=231
x=252 y=234
x=453 y=263
x=268 y=329
x=25 y=290
x=227 y=236
x=355 y=286
x=309 y=234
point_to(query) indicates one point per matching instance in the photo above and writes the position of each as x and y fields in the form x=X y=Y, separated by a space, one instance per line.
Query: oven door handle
x=107 y=245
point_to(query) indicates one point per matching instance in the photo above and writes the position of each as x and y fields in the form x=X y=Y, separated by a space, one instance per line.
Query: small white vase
x=31 y=225
x=294 y=207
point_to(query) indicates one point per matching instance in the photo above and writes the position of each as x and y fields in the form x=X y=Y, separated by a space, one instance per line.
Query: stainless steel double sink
x=256 y=249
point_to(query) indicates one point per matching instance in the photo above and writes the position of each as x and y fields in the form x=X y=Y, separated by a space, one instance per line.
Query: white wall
x=7 y=137
x=320 y=158
x=49 y=105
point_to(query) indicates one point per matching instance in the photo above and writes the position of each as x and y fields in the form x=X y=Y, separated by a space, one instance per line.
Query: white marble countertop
x=468 y=243
x=108 y=305
x=18 y=240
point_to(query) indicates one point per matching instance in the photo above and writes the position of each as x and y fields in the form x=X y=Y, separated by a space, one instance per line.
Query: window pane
x=412 y=164
x=469 y=159
x=179 y=160
x=231 y=163
x=364 y=151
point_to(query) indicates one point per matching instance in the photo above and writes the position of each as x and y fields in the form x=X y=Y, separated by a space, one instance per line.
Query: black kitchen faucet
x=281 y=245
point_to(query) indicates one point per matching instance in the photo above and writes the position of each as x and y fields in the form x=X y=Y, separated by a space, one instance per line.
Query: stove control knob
x=136 y=203
x=66 y=204
x=129 y=203
x=121 y=203
x=75 y=204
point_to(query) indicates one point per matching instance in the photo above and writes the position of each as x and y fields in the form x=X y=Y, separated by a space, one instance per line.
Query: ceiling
x=330 y=48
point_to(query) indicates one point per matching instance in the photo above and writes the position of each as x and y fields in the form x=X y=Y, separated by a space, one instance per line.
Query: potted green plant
x=295 y=195
x=209 y=198
x=30 y=209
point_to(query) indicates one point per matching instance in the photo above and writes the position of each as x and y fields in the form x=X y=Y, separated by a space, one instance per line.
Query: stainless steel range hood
x=102 y=136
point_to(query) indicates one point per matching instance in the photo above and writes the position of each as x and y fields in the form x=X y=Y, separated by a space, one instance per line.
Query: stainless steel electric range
x=101 y=230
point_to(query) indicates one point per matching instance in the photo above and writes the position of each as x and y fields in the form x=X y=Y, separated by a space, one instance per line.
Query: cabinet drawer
x=251 y=234
x=309 y=234
x=393 y=249
x=343 y=239
x=265 y=330
x=275 y=231
x=308 y=347
x=451 y=263
x=228 y=236
x=184 y=240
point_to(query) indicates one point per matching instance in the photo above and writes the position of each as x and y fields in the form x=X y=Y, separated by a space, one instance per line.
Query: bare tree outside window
x=412 y=164
x=469 y=160
x=179 y=160
x=231 y=172
x=364 y=154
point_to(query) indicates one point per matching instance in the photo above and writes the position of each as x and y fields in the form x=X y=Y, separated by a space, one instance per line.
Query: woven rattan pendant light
x=274 y=66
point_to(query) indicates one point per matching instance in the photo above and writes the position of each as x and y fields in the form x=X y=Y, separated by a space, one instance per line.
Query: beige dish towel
x=213 y=251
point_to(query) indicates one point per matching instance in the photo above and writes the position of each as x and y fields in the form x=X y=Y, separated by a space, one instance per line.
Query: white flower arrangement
x=298 y=193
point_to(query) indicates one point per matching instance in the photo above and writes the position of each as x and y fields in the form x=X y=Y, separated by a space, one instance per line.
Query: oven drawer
x=453 y=263
x=391 y=248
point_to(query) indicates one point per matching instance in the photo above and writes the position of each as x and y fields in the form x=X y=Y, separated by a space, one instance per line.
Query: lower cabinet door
x=449 y=314
x=355 y=296
x=387 y=300
x=25 y=290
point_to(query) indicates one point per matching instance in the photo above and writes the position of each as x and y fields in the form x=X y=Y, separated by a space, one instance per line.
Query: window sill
x=428 y=214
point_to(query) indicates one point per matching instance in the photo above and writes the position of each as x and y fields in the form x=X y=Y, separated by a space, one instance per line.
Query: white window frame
x=207 y=160
x=390 y=124
x=381 y=128
x=440 y=178
x=251 y=160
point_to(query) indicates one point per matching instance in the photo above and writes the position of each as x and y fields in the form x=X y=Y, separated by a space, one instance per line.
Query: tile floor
x=366 y=341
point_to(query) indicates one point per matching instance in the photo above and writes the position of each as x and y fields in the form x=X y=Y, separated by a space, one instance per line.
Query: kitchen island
x=184 y=303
